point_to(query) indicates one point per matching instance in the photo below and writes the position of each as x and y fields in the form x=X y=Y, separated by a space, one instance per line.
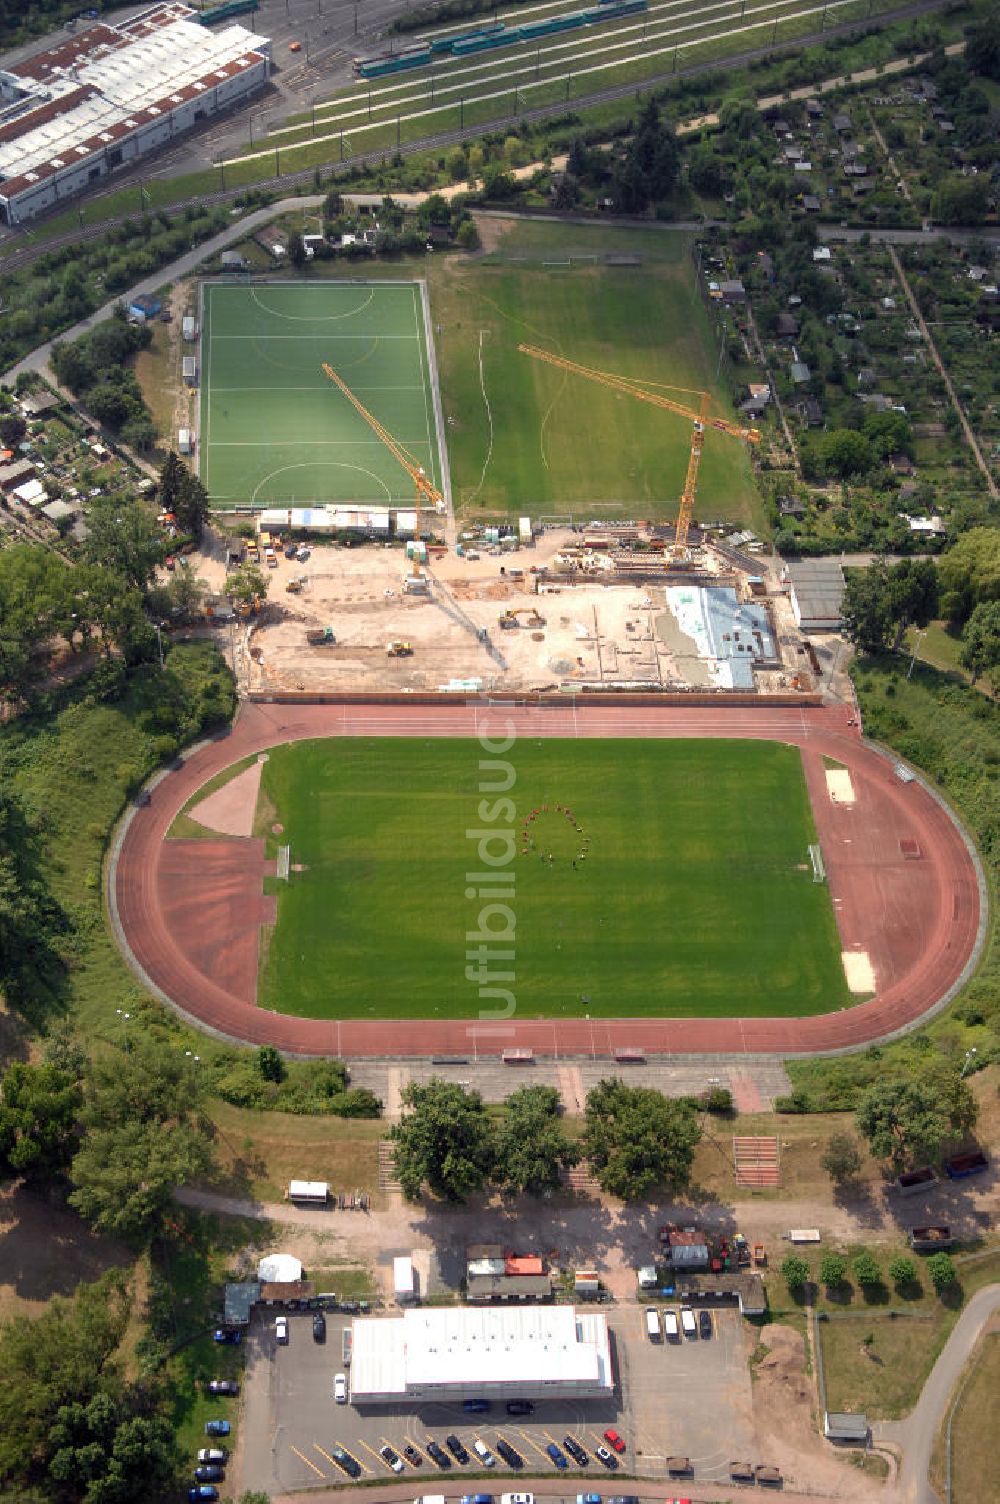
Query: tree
x=446 y=1139
x=706 y=173
x=637 y=1140
x=961 y=201
x=145 y=1135
x=833 y=1270
x=842 y=1158
x=69 y=1351
x=172 y=473
x=970 y=572
x=902 y=1121
x=467 y=236
x=881 y=602
x=191 y=505
x=531 y=1148
x=980 y=650
x=982 y=49
x=270 y=1063
x=457 y=164
x=902 y=1272
x=795 y=1272
x=12 y=429
x=866 y=1270
x=38 y=1113
x=32 y=921
x=845 y=452
x=125 y=539
x=297 y=251
x=941 y=1269
x=247 y=585
x=946 y=1082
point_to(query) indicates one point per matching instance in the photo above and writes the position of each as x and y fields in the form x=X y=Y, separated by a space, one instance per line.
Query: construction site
x=576 y=611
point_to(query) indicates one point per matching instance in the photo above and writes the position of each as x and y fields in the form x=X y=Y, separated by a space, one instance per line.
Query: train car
x=447 y=44
x=611 y=11
x=549 y=28
x=226 y=11
x=414 y=56
x=473 y=45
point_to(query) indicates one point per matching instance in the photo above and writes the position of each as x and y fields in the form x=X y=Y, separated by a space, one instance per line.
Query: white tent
x=279 y=1269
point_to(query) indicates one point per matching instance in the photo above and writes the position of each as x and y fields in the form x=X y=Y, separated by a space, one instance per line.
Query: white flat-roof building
x=75 y=112
x=455 y=1353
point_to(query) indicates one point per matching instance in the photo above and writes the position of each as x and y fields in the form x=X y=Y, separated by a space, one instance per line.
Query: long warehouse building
x=456 y=1353
x=74 y=113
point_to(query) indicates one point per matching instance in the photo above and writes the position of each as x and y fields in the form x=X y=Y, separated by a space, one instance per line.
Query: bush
x=941 y=1269
x=833 y=1269
x=866 y=1270
x=795 y=1272
x=718 y=1099
x=902 y=1272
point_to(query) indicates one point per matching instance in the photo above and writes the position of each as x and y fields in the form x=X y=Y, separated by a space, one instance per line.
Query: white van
x=652 y=1324
x=670 y=1326
x=688 y=1324
x=430 y=1499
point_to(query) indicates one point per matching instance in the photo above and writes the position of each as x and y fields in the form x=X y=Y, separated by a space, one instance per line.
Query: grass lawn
x=700 y=903
x=275 y=431
x=260 y=1152
x=524 y=436
x=939 y=645
x=975 y=1462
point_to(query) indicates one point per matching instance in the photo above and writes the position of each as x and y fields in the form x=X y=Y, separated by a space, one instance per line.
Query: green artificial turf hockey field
x=655 y=878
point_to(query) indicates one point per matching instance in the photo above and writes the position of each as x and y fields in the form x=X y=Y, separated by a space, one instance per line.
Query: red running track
x=902 y=880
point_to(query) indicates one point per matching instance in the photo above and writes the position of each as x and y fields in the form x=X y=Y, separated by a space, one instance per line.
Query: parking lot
x=690 y=1397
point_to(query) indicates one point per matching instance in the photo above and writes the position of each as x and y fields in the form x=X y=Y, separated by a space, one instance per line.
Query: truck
x=652 y=1324
x=320 y=637
x=398 y=649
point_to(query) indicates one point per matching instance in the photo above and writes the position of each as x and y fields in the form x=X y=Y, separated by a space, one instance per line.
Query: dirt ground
x=590 y=633
x=46 y=1250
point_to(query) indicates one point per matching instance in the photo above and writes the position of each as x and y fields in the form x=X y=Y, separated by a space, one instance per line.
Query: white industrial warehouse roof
x=490 y=1346
x=104 y=90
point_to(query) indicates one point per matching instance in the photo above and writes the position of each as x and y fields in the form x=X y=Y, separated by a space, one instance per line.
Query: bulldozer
x=397 y=649
x=511 y=619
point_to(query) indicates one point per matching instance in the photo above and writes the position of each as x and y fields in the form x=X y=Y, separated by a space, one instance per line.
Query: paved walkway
x=916 y=1435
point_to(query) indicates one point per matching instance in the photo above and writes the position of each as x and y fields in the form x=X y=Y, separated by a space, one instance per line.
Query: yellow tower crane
x=700 y=419
x=425 y=489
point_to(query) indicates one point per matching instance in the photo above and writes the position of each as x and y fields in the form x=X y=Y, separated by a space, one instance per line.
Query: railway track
x=14 y=260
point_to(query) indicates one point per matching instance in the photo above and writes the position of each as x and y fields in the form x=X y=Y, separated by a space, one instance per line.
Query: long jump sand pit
x=919 y=922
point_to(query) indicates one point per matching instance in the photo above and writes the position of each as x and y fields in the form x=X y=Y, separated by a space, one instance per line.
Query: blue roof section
x=733 y=632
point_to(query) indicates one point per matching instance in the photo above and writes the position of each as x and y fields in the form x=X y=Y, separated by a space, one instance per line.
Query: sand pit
x=859 y=970
x=839 y=785
x=230 y=810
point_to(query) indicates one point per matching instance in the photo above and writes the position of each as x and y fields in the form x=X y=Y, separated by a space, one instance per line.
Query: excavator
x=511 y=619
x=678 y=555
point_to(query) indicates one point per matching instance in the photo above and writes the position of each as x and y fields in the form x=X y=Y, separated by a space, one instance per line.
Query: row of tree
x=635 y=1140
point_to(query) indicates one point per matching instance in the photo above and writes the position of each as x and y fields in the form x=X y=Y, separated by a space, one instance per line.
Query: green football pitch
x=674 y=880
x=275 y=431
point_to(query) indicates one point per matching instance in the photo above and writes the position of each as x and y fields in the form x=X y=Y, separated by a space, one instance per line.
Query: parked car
x=319 y=1327
x=688 y=1326
x=302 y=552
x=517 y=1499
x=624 y=1499
x=652 y=1323
x=476 y=1499
x=520 y=1407
x=227 y=1334
x=558 y=1456
x=350 y=1465
x=217 y=1428
x=212 y=1473
x=290 y=551
x=457 y=1450
x=437 y=1454
x=340 y=1388
x=608 y=1458
x=223 y=1386
x=670 y=1326
x=484 y=1454
x=588 y=1499
x=413 y=1457
x=705 y=1323
x=281 y=1329
x=203 y=1491
x=476 y=1407
x=213 y=1454
x=510 y=1454
x=577 y=1453
x=614 y=1440
x=392 y=1459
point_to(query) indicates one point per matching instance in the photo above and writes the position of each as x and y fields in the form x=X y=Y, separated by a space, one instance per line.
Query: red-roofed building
x=79 y=110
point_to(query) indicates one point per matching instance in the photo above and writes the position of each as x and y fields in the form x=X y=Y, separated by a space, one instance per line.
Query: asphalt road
x=917 y=1434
